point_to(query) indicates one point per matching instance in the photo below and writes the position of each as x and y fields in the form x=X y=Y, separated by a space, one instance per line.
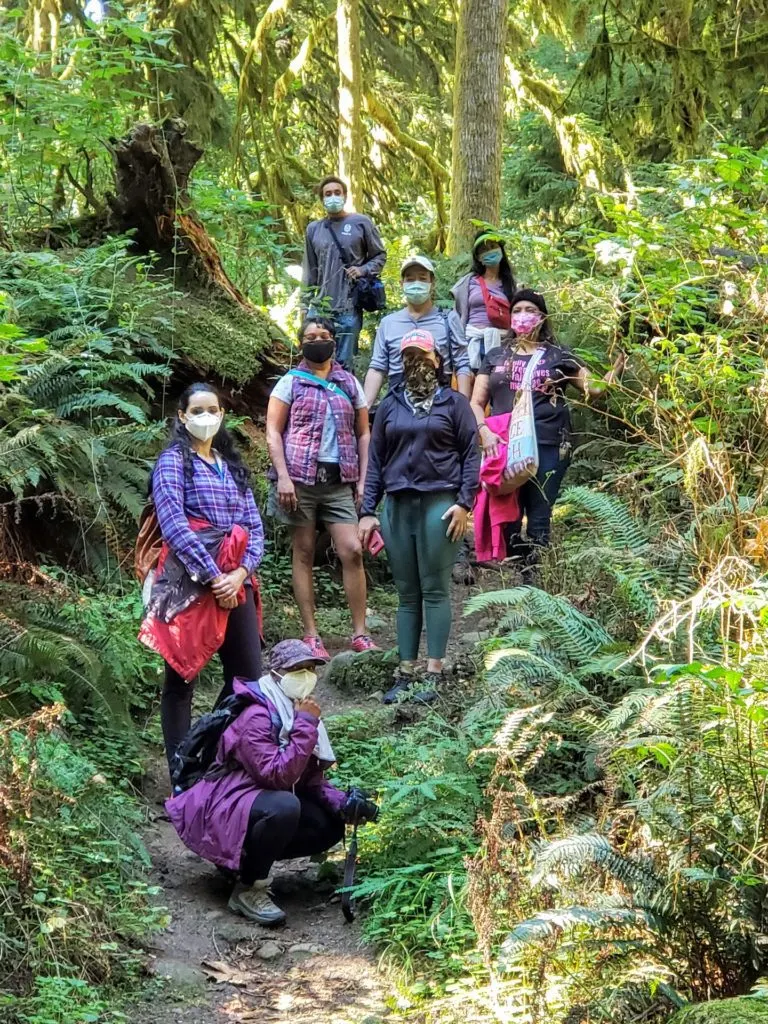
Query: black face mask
x=317 y=351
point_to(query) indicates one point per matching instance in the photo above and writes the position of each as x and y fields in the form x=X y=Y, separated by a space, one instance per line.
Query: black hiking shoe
x=409 y=688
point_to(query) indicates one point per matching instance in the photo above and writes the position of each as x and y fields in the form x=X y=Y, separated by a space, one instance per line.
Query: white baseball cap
x=417 y=261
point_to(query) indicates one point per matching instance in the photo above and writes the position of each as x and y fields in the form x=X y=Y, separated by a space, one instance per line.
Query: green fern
x=575 y=634
x=516 y=668
x=574 y=855
x=549 y=923
x=609 y=517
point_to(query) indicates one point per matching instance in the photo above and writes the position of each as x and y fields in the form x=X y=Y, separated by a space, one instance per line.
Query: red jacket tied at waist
x=184 y=622
x=493 y=511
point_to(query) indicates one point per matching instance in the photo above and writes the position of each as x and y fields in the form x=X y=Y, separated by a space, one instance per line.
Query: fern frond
x=91 y=400
x=574 y=633
x=609 y=516
x=571 y=856
x=549 y=923
x=513 y=666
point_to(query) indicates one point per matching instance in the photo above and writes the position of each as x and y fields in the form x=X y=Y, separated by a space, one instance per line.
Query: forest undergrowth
x=580 y=833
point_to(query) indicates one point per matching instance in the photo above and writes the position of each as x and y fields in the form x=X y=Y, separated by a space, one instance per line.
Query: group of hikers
x=439 y=451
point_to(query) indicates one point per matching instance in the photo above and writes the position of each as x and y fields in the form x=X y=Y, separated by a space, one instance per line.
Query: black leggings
x=240 y=655
x=282 y=826
x=537 y=499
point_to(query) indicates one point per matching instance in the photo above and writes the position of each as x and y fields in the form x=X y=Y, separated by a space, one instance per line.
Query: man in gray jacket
x=338 y=250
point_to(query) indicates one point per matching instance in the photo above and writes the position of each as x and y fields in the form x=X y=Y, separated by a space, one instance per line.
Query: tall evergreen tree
x=477 y=118
x=350 y=99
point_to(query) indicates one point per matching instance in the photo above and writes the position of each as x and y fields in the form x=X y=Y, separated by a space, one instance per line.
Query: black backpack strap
x=337 y=243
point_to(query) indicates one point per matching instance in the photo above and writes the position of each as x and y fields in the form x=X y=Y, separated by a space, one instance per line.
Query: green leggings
x=421 y=558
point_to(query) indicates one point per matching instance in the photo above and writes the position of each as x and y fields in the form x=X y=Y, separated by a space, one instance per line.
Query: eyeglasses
x=318 y=337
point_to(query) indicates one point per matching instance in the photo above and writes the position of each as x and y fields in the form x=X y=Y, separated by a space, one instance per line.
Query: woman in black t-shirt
x=498 y=382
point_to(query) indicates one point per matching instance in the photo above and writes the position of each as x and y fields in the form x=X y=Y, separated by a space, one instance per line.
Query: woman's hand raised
x=309 y=705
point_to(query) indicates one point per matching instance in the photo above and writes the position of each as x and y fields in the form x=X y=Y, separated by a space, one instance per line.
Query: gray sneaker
x=256 y=904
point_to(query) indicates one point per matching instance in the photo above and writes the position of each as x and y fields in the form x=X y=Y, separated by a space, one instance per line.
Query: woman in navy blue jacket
x=424 y=457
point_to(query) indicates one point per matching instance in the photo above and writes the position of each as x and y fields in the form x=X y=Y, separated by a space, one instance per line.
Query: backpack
x=197 y=751
x=149 y=543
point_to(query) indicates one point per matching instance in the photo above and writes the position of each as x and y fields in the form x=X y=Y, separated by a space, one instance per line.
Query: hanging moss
x=224 y=339
x=725 y=1011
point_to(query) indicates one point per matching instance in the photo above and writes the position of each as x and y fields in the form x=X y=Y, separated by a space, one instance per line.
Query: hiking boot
x=431 y=681
x=316 y=645
x=256 y=904
x=407 y=687
x=362 y=642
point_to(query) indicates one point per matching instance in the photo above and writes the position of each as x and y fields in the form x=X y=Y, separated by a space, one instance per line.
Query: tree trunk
x=350 y=99
x=152 y=168
x=478 y=115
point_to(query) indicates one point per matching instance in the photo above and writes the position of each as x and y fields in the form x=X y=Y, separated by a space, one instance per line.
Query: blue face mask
x=334 y=204
x=492 y=258
x=417 y=292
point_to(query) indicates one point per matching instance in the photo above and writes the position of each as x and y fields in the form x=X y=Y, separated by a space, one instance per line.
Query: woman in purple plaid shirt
x=201 y=476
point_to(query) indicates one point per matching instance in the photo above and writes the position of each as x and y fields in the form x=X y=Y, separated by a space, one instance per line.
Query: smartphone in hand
x=375 y=543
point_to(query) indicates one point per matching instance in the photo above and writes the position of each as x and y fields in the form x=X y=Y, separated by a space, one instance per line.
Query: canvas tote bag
x=522 y=447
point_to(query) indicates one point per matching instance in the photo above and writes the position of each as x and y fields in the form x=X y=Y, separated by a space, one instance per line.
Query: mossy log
x=223 y=335
x=153 y=164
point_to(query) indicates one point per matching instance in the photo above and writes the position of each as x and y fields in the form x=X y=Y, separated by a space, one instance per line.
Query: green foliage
x=412 y=873
x=75 y=899
x=747 y=1010
x=75 y=427
x=619 y=827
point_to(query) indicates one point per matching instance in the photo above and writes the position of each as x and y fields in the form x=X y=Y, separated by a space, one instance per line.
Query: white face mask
x=298 y=685
x=203 y=425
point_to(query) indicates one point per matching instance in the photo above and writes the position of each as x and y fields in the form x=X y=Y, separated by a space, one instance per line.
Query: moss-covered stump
x=240 y=350
x=224 y=339
x=367 y=672
x=745 y=1010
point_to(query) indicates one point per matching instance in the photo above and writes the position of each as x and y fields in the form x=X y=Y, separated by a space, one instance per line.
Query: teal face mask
x=417 y=292
x=492 y=258
x=334 y=204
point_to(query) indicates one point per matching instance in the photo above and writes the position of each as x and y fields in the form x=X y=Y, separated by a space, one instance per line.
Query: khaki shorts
x=326 y=503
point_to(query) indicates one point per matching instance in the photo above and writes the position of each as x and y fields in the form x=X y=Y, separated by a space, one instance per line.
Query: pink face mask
x=526 y=322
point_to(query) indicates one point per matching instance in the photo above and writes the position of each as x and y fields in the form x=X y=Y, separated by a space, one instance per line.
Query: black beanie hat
x=529 y=295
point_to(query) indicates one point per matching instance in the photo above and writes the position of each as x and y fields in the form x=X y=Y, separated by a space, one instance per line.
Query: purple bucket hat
x=289 y=653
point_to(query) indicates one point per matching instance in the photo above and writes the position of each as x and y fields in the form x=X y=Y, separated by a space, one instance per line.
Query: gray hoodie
x=460 y=293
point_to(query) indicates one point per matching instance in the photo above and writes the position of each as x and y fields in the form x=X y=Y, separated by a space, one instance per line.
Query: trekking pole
x=350 y=866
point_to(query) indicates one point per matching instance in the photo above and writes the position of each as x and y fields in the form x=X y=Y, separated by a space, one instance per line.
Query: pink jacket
x=492 y=511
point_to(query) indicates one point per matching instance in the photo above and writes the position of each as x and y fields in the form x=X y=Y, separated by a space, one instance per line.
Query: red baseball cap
x=418 y=338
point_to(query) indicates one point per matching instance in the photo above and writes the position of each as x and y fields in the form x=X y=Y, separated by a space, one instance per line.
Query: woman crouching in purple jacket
x=266 y=797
